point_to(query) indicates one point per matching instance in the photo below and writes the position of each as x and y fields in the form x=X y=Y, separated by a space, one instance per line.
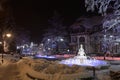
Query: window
x=81 y=39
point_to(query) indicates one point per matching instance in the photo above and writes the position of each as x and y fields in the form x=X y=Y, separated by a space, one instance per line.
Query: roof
x=87 y=22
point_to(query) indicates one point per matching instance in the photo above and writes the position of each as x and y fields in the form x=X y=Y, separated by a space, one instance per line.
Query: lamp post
x=8 y=35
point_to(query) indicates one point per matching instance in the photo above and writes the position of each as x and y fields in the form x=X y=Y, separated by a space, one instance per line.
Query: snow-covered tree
x=111 y=22
x=103 y=5
x=111 y=26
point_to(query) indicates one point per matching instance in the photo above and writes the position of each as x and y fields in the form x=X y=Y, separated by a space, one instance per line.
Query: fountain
x=83 y=60
x=81 y=54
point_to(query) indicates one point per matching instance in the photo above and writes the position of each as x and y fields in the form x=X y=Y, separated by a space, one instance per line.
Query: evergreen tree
x=55 y=37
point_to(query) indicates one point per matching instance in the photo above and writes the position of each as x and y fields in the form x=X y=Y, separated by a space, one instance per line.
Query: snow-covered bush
x=53 y=67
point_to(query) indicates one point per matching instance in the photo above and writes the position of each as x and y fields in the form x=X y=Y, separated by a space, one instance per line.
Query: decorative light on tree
x=48 y=39
x=61 y=39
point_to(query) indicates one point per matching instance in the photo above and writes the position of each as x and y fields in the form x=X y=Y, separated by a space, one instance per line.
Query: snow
x=28 y=68
x=102 y=5
x=40 y=69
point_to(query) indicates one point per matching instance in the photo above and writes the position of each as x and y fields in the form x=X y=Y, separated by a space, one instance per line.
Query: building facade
x=90 y=33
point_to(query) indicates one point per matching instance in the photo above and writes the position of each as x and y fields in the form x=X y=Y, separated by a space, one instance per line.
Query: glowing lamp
x=8 y=35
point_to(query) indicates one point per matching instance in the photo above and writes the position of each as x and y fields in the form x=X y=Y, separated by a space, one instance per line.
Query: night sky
x=34 y=14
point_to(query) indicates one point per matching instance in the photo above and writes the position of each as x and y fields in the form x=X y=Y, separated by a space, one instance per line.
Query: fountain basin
x=87 y=62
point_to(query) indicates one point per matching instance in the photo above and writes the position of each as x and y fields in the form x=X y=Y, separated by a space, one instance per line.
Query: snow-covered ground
x=41 y=69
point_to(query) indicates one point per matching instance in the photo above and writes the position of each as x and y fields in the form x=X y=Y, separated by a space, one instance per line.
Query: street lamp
x=8 y=35
x=0 y=43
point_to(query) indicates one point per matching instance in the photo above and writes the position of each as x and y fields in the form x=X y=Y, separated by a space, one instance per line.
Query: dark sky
x=34 y=14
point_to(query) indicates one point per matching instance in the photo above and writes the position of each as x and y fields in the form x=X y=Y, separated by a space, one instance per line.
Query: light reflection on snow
x=87 y=62
x=44 y=56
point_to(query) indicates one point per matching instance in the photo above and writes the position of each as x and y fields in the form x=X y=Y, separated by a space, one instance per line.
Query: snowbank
x=50 y=70
x=41 y=69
